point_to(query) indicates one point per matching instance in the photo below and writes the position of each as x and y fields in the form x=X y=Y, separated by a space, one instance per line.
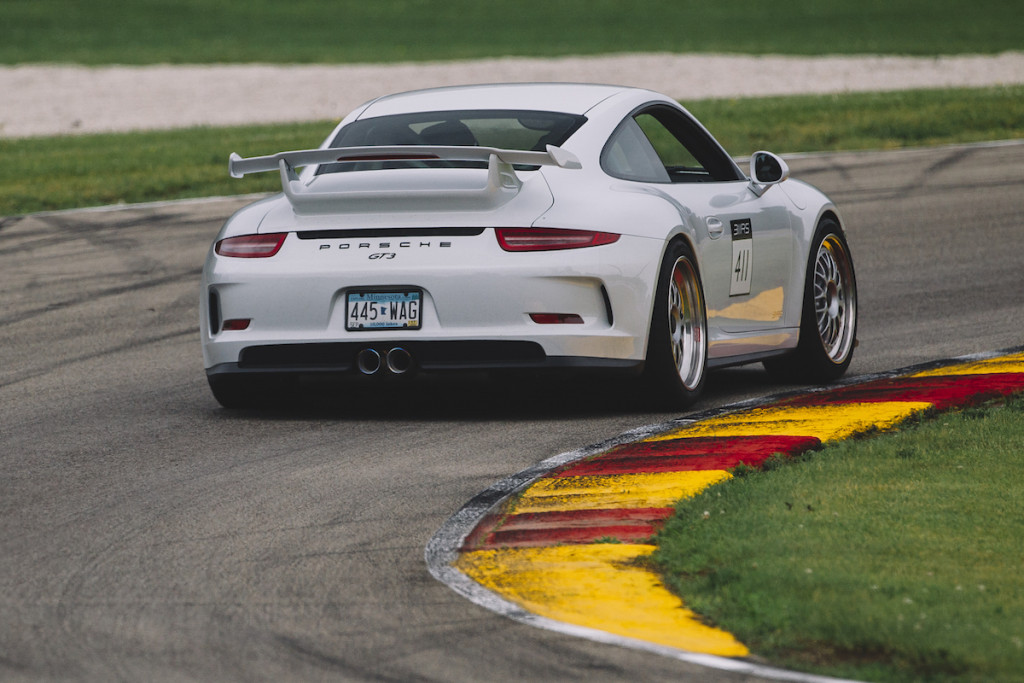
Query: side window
x=630 y=156
x=678 y=161
x=668 y=139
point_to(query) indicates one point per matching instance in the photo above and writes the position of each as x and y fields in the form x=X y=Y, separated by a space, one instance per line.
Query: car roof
x=571 y=98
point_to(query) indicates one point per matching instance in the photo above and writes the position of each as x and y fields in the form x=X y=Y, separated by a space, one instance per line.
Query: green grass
x=207 y=31
x=892 y=558
x=90 y=170
x=914 y=118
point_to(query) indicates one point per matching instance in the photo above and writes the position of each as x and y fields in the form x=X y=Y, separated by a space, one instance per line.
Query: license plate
x=383 y=310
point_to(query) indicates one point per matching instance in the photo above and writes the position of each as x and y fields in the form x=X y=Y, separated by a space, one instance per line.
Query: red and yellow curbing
x=572 y=546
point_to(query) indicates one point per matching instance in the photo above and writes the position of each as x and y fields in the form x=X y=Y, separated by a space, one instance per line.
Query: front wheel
x=828 y=324
x=677 y=347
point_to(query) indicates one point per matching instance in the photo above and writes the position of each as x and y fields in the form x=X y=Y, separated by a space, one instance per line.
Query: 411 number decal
x=742 y=256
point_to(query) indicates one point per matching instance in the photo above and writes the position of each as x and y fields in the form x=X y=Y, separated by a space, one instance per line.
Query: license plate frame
x=373 y=310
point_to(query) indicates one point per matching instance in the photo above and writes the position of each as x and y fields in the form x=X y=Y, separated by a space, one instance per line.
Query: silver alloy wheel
x=686 y=324
x=835 y=299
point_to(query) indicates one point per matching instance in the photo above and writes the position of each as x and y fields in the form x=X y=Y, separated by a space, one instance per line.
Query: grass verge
x=892 y=558
x=42 y=174
x=325 y=31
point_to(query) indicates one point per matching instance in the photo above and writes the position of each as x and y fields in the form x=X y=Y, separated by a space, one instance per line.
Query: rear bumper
x=427 y=356
x=477 y=303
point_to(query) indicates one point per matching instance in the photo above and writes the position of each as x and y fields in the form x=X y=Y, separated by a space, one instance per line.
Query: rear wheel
x=677 y=347
x=828 y=325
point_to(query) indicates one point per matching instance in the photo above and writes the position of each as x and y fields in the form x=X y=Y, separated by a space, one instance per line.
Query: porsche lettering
x=342 y=246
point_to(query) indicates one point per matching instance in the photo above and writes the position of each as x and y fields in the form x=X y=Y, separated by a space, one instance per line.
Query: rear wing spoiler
x=502 y=181
x=554 y=156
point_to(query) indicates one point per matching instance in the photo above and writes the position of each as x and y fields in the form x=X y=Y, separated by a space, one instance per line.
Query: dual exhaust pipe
x=398 y=361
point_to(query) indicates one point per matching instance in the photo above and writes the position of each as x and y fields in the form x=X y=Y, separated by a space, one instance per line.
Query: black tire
x=828 y=323
x=248 y=391
x=677 y=347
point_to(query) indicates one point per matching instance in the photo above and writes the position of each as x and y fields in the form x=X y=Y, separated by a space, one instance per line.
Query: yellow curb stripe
x=826 y=422
x=598 y=492
x=599 y=586
x=992 y=366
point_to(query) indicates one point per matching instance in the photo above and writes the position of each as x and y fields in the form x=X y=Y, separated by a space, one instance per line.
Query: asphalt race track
x=147 y=534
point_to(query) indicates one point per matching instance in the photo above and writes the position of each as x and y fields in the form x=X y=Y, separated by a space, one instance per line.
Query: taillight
x=251 y=246
x=550 y=239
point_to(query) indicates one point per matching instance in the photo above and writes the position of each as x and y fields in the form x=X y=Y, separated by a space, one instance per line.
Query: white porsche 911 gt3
x=525 y=226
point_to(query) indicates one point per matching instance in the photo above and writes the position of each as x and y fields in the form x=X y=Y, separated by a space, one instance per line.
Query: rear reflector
x=550 y=239
x=251 y=246
x=556 y=318
x=236 y=324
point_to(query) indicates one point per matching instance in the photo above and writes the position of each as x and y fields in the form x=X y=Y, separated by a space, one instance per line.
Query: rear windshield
x=504 y=129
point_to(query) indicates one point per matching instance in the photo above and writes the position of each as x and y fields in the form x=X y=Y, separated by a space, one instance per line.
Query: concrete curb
x=479 y=540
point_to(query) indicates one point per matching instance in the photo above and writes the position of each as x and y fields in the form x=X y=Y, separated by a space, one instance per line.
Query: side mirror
x=766 y=169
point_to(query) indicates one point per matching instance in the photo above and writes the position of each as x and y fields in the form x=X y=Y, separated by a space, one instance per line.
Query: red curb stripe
x=584 y=518
x=537 y=529
x=687 y=455
x=558 y=526
x=532 y=538
x=480 y=532
x=944 y=392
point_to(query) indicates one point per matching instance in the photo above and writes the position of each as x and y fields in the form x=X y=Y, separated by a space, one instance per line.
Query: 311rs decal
x=742 y=256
